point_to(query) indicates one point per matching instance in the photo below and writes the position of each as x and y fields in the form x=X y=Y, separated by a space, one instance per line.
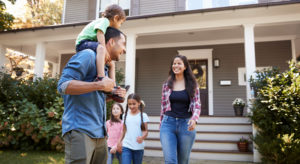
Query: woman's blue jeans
x=176 y=140
x=110 y=157
x=134 y=156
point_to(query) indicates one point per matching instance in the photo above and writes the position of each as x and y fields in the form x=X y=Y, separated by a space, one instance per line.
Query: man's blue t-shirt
x=86 y=112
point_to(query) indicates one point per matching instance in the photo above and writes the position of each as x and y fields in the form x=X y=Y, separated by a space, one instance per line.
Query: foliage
x=238 y=102
x=276 y=113
x=40 y=13
x=243 y=140
x=6 y=19
x=30 y=114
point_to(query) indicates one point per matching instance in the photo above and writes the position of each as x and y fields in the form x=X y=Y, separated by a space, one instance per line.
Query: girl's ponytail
x=142 y=106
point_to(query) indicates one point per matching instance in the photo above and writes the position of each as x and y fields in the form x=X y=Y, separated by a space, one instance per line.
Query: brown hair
x=190 y=80
x=141 y=108
x=112 y=118
x=112 y=10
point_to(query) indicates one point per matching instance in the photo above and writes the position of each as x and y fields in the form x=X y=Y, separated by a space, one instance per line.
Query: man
x=83 y=121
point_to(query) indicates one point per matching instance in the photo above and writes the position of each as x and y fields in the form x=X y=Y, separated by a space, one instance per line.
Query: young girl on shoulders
x=135 y=131
x=114 y=131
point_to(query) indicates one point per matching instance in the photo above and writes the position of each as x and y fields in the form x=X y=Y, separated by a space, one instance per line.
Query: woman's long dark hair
x=141 y=108
x=112 y=118
x=189 y=78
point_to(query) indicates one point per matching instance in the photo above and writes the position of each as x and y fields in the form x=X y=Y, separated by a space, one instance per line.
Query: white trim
x=97 y=8
x=59 y=63
x=250 y=65
x=293 y=47
x=64 y=13
x=2 y=56
x=39 y=62
x=130 y=62
x=203 y=54
x=212 y=42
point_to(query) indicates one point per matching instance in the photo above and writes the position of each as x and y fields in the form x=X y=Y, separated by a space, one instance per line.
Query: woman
x=180 y=110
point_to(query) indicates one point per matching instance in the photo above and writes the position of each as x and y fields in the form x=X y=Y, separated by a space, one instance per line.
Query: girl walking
x=180 y=110
x=114 y=131
x=135 y=131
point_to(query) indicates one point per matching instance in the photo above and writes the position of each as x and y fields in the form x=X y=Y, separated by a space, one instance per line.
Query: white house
x=229 y=39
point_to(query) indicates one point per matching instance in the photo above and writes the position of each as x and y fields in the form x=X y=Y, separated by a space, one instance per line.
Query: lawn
x=32 y=157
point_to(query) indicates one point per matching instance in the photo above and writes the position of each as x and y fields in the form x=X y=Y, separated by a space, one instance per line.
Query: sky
x=18 y=9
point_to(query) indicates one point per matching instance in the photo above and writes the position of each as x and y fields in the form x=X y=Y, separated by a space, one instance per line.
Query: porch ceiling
x=219 y=36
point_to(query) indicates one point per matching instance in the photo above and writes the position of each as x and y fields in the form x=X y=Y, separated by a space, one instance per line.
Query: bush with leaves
x=30 y=114
x=276 y=113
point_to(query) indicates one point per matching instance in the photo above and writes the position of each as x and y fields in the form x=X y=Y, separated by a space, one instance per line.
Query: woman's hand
x=192 y=125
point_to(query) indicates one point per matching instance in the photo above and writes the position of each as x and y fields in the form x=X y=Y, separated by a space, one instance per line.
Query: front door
x=199 y=68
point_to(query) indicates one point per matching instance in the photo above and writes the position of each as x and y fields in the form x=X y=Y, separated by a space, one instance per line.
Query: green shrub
x=276 y=113
x=30 y=114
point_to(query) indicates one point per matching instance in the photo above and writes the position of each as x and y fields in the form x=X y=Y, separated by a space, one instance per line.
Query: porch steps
x=215 y=139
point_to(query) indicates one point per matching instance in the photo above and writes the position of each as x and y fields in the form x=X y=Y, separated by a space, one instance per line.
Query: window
x=125 y=4
x=203 y=4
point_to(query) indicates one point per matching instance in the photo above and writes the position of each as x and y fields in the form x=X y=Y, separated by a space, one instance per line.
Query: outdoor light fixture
x=216 y=63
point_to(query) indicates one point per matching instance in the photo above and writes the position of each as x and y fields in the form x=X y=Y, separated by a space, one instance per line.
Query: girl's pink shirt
x=114 y=131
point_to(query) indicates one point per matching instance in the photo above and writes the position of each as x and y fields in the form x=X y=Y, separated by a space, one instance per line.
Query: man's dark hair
x=112 y=33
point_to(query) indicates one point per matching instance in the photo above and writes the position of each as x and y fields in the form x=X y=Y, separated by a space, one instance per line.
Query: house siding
x=153 y=66
x=76 y=11
x=155 y=7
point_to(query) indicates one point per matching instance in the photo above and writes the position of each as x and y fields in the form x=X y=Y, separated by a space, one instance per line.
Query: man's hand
x=106 y=84
x=121 y=92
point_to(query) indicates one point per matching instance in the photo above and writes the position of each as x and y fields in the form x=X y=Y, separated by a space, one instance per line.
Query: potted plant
x=238 y=106
x=242 y=144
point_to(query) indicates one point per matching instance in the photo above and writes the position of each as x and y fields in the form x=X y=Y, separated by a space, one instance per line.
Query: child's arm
x=119 y=146
x=144 y=134
x=111 y=73
x=101 y=54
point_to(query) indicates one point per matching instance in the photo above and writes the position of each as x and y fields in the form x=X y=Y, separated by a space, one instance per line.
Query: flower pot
x=242 y=146
x=238 y=110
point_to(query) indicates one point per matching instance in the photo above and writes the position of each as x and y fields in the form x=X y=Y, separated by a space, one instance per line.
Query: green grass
x=33 y=157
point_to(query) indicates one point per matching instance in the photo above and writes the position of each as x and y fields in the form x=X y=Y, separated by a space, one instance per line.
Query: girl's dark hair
x=141 y=108
x=112 y=10
x=112 y=118
x=190 y=80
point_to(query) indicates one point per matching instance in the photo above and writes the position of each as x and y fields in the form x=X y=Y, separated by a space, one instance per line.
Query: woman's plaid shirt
x=195 y=105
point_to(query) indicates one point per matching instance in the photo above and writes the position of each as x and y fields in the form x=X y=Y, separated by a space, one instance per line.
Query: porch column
x=2 y=56
x=249 y=45
x=130 y=62
x=39 y=59
x=293 y=43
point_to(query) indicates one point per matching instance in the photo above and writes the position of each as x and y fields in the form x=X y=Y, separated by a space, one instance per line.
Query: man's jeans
x=110 y=157
x=87 y=44
x=128 y=155
x=81 y=149
x=176 y=140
